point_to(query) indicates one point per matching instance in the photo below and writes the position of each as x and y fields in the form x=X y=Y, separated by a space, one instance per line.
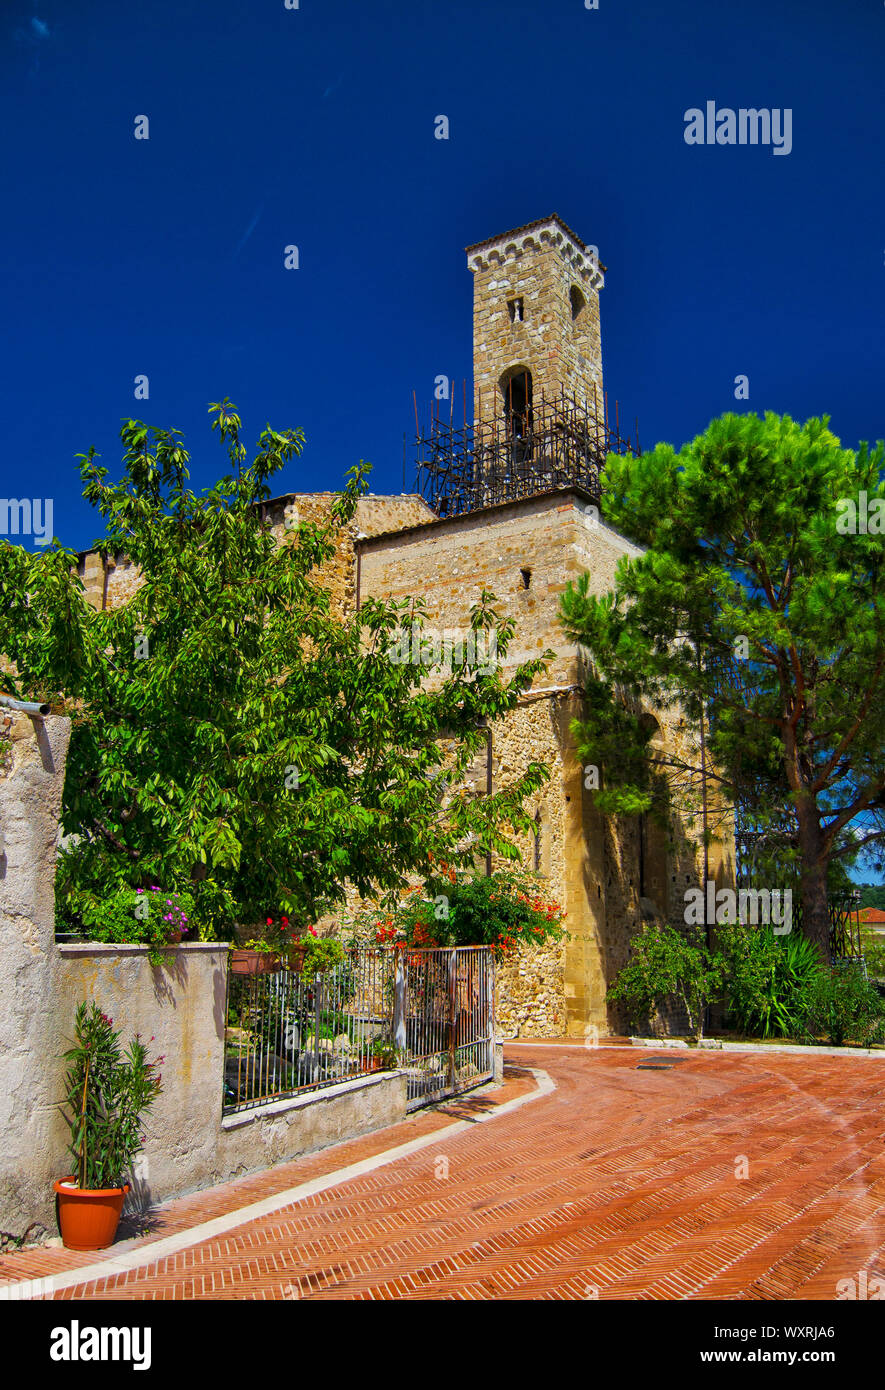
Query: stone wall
x=32 y=759
x=543 y=543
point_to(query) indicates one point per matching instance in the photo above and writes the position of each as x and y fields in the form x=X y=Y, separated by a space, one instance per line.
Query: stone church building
x=507 y=501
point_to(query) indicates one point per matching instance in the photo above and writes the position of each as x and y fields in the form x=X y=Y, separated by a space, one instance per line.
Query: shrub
x=106 y=1093
x=461 y=909
x=666 y=961
x=135 y=916
x=845 y=1007
x=770 y=980
x=321 y=954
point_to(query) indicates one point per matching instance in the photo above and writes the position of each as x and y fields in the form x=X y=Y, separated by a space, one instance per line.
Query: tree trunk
x=814 y=856
x=814 y=865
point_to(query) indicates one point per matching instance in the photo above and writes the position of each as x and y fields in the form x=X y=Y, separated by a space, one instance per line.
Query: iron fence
x=288 y=1032
x=430 y=1012
x=445 y=1020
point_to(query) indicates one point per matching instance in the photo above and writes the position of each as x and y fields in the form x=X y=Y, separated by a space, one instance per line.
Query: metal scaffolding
x=539 y=448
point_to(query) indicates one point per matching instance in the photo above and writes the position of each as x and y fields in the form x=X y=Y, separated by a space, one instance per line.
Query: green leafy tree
x=665 y=963
x=234 y=733
x=757 y=608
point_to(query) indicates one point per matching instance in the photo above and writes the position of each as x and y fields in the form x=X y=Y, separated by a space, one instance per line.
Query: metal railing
x=445 y=1020
x=429 y=1012
x=288 y=1032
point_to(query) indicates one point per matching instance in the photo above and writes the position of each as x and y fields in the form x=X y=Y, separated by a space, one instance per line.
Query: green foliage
x=873 y=945
x=774 y=986
x=460 y=908
x=664 y=962
x=320 y=954
x=846 y=1007
x=132 y=916
x=107 y=1092
x=233 y=735
x=770 y=980
x=748 y=606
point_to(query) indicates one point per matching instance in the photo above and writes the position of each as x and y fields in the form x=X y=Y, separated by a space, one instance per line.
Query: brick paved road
x=623 y=1180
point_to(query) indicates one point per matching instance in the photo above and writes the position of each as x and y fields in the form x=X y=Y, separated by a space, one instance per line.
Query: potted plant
x=383 y=1056
x=319 y=954
x=107 y=1092
x=265 y=955
x=154 y=917
x=256 y=957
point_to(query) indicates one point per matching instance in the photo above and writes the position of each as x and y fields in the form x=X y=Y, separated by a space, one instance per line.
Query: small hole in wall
x=526 y=578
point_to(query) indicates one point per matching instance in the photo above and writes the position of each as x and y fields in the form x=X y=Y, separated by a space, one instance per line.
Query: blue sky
x=315 y=127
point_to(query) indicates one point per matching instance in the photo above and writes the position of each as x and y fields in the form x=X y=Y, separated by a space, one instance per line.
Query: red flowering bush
x=458 y=909
x=280 y=933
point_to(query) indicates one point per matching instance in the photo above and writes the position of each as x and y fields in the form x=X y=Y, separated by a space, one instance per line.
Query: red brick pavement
x=621 y=1184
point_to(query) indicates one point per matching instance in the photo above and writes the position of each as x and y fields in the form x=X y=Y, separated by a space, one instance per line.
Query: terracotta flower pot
x=245 y=962
x=295 y=958
x=174 y=937
x=88 y=1217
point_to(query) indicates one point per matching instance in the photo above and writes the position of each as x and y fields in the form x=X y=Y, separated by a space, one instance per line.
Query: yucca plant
x=771 y=981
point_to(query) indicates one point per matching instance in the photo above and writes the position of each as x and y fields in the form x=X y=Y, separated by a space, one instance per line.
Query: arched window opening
x=516 y=391
x=578 y=301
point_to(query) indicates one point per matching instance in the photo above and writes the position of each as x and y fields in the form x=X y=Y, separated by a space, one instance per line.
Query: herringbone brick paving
x=621 y=1184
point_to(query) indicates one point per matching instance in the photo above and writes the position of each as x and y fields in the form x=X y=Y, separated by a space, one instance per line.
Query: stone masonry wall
x=525 y=553
x=539 y=265
x=553 y=539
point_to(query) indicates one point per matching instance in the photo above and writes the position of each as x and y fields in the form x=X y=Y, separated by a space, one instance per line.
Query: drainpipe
x=25 y=706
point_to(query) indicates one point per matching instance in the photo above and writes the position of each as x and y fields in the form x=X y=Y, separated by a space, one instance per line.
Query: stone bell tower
x=540 y=418
x=536 y=321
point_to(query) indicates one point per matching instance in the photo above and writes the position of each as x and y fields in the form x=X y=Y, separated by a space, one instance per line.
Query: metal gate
x=444 y=1020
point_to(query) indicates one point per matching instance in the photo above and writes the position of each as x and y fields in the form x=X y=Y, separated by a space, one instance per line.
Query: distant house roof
x=872 y=915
